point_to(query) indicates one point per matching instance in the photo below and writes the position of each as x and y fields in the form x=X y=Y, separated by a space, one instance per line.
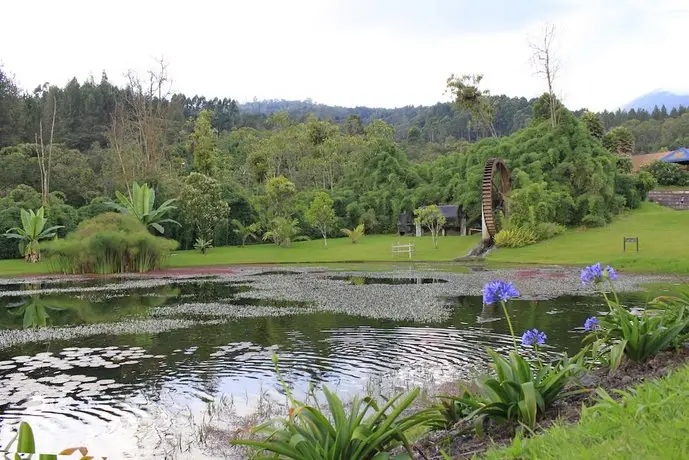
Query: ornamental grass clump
x=108 y=243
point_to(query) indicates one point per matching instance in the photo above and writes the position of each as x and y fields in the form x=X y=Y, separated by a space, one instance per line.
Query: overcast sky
x=383 y=53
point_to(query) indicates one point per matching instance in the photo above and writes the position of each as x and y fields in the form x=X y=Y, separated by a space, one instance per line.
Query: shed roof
x=448 y=210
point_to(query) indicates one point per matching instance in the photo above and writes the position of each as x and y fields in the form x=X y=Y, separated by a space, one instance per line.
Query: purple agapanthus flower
x=499 y=291
x=533 y=337
x=610 y=272
x=592 y=274
x=592 y=324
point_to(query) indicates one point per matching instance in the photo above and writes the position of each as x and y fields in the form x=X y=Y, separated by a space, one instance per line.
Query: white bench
x=403 y=249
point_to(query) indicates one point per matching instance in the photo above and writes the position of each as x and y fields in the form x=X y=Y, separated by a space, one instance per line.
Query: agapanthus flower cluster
x=592 y=324
x=499 y=291
x=594 y=274
x=533 y=337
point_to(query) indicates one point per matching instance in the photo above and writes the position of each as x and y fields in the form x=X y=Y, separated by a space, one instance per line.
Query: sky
x=379 y=53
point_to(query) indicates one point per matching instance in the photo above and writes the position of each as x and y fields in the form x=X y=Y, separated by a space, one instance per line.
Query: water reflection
x=42 y=310
x=102 y=387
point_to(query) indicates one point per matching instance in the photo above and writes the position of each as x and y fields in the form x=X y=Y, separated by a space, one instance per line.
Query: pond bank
x=560 y=423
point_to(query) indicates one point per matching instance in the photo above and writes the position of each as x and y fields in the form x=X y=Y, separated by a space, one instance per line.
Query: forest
x=238 y=172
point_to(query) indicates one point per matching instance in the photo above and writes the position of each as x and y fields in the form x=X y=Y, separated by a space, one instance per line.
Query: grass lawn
x=650 y=423
x=663 y=244
x=340 y=254
x=371 y=248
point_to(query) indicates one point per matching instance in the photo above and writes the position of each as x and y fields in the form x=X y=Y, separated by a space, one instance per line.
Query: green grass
x=13 y=267
x=663 y=245
x=670 y=188
x=371 y=248
x=372 y=252
x=652 y=422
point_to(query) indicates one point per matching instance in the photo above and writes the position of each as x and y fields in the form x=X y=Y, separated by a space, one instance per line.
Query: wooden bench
x=403 y=249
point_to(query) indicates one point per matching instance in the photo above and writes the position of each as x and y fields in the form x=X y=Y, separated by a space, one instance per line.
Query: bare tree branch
x=547 y=64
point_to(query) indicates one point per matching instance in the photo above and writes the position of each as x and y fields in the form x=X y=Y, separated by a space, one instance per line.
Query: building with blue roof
x=680 y=156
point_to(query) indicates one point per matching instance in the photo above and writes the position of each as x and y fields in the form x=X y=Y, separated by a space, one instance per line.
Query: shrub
x=283 y=232
x=622 y=333
x=203 y=245
x=667 y=173
x=520 y=390
x=356 y=234
x=546 y=230
x=109 y=243
x=515 y=237
x=591 y=220
x=362 y=430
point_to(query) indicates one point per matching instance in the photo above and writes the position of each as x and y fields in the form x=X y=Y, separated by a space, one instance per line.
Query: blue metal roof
x=680 y=155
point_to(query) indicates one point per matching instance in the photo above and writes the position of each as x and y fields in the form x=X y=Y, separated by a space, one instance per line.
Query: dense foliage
x=235 y=170
x=109 y=243
x=668 y=173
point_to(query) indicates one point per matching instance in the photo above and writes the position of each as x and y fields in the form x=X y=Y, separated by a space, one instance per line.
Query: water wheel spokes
x=494 y=189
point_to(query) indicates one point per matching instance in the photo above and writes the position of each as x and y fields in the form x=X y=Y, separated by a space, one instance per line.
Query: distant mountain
x=658 y=98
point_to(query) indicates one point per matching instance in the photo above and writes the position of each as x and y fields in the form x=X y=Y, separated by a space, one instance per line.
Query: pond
x=113 y=364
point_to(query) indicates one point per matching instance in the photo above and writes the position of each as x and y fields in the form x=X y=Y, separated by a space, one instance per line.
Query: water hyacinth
x=533 y=337
x=499 y=291
x=592 y=324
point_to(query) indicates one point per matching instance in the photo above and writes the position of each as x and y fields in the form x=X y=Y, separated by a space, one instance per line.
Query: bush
x=546 y=230
x=591 y=220
x=108 y=243
x=516 y=237
x=360 y=430
x=667 y=173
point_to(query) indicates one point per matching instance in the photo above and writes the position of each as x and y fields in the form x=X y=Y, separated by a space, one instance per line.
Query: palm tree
x=141 y=204
x=283 y=232
x=32 y=232
x=246 y=231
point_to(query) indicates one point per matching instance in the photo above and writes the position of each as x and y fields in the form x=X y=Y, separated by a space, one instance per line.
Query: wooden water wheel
x=496 y=184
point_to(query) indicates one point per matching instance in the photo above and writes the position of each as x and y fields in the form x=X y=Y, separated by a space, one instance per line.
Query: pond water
x=104 y=388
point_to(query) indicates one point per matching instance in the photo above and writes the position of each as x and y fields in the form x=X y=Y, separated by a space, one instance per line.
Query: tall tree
x=203 y=144
x=547 y=65
x=593 y=124
x=45 y=157
x=468 y=96
x=619 y=140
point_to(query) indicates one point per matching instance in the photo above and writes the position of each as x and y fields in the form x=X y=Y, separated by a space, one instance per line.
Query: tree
x=619 y=140
x=246 y=231
x=203 y=144
x=667 y=173
x=547 y=65
x=31 y=233
x=321 y=214
x=283 y=231
x=201 y=205
x=593 y=124
x=280 y=193
x=141 y=204
x=45 y=158
x=467 y=96
x=432 y=218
